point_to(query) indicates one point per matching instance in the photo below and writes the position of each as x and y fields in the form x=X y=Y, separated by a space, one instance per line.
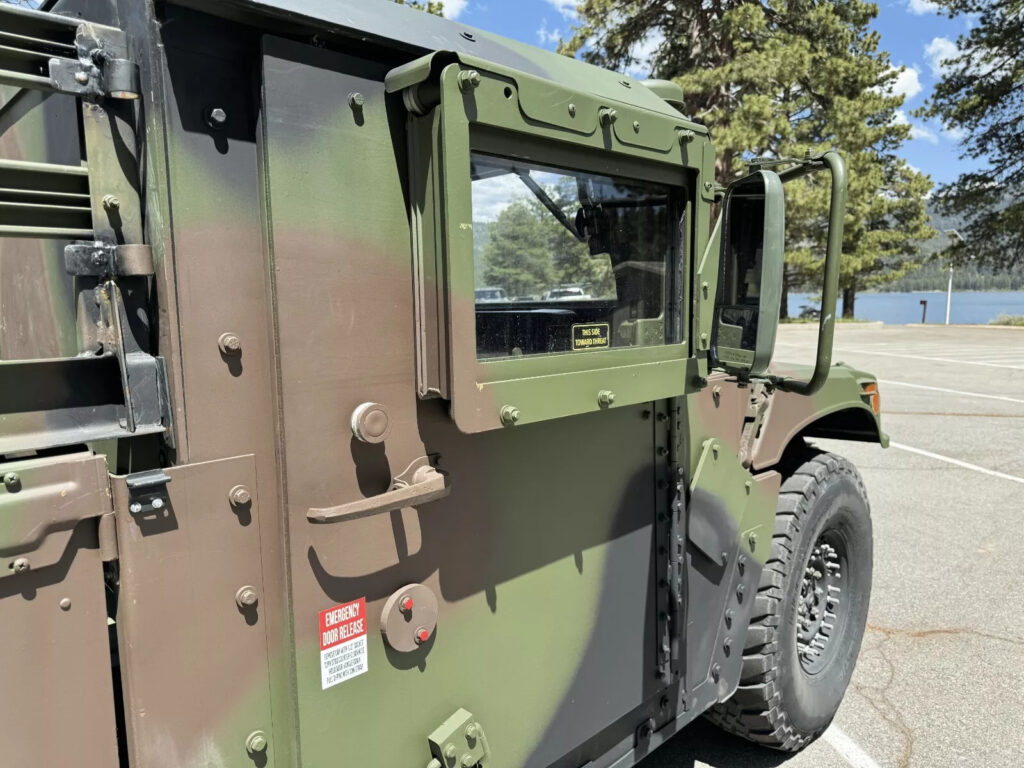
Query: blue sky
x=913 y=33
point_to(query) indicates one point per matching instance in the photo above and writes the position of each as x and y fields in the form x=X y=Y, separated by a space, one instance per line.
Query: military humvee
x=279 y=491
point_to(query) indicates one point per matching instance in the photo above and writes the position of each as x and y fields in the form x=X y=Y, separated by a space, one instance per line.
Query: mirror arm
x=830 y=294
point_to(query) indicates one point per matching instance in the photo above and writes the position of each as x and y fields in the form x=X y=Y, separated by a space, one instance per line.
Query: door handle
x=419 y=483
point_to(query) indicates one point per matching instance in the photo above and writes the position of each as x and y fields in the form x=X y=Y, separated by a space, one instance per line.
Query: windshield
x=579 y=258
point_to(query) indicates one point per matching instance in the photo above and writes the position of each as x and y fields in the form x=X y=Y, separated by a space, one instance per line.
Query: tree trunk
x=849 y=296
x=784 y=304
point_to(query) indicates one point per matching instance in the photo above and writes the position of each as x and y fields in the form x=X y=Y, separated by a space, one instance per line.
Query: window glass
x=567 y=261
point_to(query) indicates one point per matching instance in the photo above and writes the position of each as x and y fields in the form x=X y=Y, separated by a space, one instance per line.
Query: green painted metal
x=836 y=166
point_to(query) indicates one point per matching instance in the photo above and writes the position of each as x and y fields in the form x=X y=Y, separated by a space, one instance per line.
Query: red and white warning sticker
x=343 y=651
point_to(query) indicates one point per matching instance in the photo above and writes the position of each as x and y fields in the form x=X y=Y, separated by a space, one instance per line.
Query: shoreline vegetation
x=1015 y=321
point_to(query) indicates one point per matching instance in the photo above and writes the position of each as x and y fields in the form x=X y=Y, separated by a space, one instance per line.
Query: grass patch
x=1015 y=320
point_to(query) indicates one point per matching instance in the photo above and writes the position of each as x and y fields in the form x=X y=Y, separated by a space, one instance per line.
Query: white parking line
x=850 y=351
x=848 y=749
x=889 y=382
x=957 y=462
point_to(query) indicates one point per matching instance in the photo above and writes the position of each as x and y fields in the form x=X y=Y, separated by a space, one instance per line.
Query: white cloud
x=924 y=134
x=939 y=50
x=954 y=134
x=565 y=7
x=917 y=132
x=453 y=8
x=642 y=53
x=907 y=83
x=548 y=36
x=921 y=7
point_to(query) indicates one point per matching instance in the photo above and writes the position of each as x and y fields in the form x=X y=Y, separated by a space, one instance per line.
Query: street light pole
x=951 y=233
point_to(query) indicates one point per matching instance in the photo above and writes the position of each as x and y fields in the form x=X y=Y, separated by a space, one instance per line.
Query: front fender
x=841 y=409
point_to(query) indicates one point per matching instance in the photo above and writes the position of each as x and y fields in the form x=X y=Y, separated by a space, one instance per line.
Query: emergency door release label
x=343 y=650
x=590 y=336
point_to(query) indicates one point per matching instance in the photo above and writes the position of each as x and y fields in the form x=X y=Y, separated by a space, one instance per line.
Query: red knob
x=405 y=604
x=422 y=635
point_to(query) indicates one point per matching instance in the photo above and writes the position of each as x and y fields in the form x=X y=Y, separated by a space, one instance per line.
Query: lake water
x=969 y=307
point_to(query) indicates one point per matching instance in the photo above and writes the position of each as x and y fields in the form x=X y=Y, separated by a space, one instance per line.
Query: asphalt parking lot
x=940 y=680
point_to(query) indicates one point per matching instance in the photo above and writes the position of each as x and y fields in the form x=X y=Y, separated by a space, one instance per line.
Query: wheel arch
x=845 y=415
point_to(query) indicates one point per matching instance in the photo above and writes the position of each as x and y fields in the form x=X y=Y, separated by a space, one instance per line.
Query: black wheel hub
x=820 y=611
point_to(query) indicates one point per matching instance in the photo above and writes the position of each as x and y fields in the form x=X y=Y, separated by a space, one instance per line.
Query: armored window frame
x=511 y=114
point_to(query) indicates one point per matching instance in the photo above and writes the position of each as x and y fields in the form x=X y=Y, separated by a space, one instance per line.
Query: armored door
x=477 y=348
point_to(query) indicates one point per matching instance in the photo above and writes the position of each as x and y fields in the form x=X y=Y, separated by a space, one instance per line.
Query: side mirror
x=750 y=274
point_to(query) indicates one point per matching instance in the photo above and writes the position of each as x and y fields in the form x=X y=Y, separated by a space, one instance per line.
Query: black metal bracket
x=98 y=259
x=57 y=53
x=147 y=492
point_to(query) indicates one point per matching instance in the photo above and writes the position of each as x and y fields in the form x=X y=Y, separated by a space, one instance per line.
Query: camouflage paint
x=294 y=227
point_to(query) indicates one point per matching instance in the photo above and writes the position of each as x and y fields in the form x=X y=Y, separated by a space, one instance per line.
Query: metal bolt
x=356 y=100
x=727 y=646
x=708 y=186
x=21 y=565
x=740 y=589
x=664 y=703
x=405 y=604
x=509 y=414
x=111 y=202
x=12 y=482
x=468 y=79
x=421 y=635
x=714 y=450
x=606 y=116
x=704 y=289
x=752 y=541
x=256 y=742
x=82 y=77
x=239 y=496
x=65 y=603
x=468 y=761
x=229 y=344
x=741 y=563
x=450 y=752
x=748 y=485
x=605 y=398
x=472 y=731
x=716 y=672
x=157 y=503
x=636 y=126
x=572 y=110
x=685 y=136
x=135 y=507
x=246 y=597
x=216 y=117
x=728 y=618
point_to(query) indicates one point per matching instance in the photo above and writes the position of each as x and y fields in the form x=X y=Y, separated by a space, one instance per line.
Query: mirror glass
x=750 y=274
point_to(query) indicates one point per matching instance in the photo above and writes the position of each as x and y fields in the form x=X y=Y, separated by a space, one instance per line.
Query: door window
x=567 y=261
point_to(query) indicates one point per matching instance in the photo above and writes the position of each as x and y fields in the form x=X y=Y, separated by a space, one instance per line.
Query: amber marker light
x=871 y=393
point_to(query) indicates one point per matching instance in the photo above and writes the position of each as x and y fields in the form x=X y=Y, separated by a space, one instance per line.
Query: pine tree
x=982 y=95
x=434 y=7
x=777 y=79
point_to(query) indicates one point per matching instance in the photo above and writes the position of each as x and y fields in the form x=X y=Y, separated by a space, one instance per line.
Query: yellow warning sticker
x=590 y=336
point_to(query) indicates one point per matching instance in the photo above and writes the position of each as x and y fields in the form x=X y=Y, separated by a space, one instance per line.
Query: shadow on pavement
x=701 y=743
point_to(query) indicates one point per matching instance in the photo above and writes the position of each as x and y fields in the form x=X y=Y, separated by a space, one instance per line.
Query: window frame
x=519 y=116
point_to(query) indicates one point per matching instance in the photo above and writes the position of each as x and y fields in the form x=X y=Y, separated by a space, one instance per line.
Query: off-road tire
x=779 y=703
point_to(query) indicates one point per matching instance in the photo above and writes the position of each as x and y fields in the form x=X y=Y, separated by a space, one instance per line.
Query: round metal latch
x=371 y=423
x=409 y=618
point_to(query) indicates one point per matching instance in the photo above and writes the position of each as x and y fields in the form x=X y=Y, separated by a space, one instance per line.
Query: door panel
x=57 y=706
x=542 y=556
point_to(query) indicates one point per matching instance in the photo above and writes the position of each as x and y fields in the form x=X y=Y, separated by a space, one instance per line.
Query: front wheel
x=810 y=611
